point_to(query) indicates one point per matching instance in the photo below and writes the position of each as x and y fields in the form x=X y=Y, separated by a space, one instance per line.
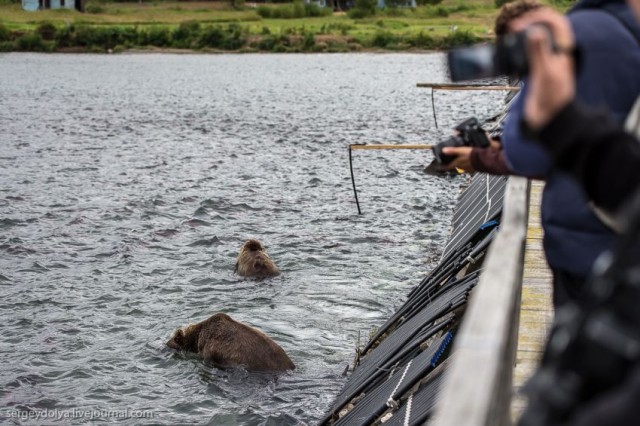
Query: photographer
x=606 y=161
x=582 y=141
x=608 y=76
x=490 y=159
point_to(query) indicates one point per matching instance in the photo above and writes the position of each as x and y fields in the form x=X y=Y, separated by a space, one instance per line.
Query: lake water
x=129 y=182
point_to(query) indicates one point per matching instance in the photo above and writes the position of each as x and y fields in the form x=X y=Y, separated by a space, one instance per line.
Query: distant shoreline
x=116 y=39
x=216 y=27
x=171 y=51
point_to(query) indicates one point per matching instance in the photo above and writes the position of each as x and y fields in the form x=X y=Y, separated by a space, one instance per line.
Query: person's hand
x=551 y=73
x=635 y=7
x=495 y=144
x=462 y=158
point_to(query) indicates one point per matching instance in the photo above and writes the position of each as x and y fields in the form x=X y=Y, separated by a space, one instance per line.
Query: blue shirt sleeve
x=524 y=156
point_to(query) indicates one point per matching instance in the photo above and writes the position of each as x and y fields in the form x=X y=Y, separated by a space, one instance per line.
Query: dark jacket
x=608 y=161
x=609 y=76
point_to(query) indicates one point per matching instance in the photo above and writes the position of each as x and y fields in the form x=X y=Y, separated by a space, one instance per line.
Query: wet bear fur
x=253 y=261
x=227 y=343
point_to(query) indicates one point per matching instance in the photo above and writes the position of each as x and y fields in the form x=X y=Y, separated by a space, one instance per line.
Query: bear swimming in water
x=253 y=261
x=228 y=343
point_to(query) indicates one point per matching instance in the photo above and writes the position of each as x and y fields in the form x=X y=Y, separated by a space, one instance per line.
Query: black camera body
x=469 y=134
x=511 y=54
x=593 y=351
x=507 y=57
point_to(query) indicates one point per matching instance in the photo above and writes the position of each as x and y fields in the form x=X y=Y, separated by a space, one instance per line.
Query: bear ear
x=179 y=337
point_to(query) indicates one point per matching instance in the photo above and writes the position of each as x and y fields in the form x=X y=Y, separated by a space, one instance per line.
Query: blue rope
x=443 y=347
x=489 y=224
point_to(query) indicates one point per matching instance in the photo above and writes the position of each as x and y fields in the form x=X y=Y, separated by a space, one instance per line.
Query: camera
x=507 y=57
x=594 y=346
x=469 y=134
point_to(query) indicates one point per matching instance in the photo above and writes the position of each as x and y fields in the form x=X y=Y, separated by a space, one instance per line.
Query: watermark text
x=76 y=413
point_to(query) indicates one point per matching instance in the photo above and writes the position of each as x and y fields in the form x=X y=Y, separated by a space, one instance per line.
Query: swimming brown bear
x=253 y=261
x=228 y=343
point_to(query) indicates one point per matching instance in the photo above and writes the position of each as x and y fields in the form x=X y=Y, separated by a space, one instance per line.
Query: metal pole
x=353 y=180
x=379 y=146
x=433 y=106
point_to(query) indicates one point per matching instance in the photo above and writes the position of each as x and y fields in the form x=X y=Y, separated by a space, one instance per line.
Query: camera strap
x=595 y=343
x=631 y=126
x=632 y=122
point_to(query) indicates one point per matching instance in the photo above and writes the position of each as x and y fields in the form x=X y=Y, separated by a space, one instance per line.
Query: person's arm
x=598 y=152
x=489 y=160
x=474 y=159
x=522 y=155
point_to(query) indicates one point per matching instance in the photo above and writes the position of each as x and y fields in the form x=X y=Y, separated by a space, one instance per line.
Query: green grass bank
x=245 y=27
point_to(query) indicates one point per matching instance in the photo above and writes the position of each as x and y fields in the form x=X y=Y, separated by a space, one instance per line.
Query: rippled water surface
x=129 y=182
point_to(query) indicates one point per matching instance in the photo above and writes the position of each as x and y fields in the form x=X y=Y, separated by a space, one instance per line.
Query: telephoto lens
x=507 y=57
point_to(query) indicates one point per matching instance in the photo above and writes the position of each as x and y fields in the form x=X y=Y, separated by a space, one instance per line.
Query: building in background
x=33 y=5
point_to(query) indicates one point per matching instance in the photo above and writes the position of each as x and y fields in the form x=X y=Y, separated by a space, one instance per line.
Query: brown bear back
x=228 y=343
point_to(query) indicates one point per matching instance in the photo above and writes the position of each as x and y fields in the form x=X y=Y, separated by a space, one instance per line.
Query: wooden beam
x=471 y=86
x=388 y=146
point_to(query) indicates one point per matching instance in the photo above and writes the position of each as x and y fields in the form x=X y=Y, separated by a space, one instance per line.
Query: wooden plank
x=536 y=309
x=389 y=146
x=467 y=86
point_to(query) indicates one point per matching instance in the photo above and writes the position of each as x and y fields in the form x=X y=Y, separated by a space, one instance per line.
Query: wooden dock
x=504 y=330
x=536 y=311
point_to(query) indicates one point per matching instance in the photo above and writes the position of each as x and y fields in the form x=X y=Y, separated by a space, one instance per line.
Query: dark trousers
x=566 y=287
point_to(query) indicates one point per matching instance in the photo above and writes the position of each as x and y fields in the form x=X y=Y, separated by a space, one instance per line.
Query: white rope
x=407 y=416
x=392 y=370
x=390 y=401
x=488 y=197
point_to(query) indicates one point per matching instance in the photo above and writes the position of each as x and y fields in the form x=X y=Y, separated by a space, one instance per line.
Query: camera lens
x=452 y=141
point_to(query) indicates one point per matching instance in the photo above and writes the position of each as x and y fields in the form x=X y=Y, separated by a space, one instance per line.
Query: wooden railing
x=478 y=385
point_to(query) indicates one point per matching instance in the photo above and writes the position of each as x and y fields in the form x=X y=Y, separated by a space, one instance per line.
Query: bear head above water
x=253 y=261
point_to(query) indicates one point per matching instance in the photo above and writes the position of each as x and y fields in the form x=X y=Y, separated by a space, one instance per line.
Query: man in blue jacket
x=608 y=76
x=598 y=340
